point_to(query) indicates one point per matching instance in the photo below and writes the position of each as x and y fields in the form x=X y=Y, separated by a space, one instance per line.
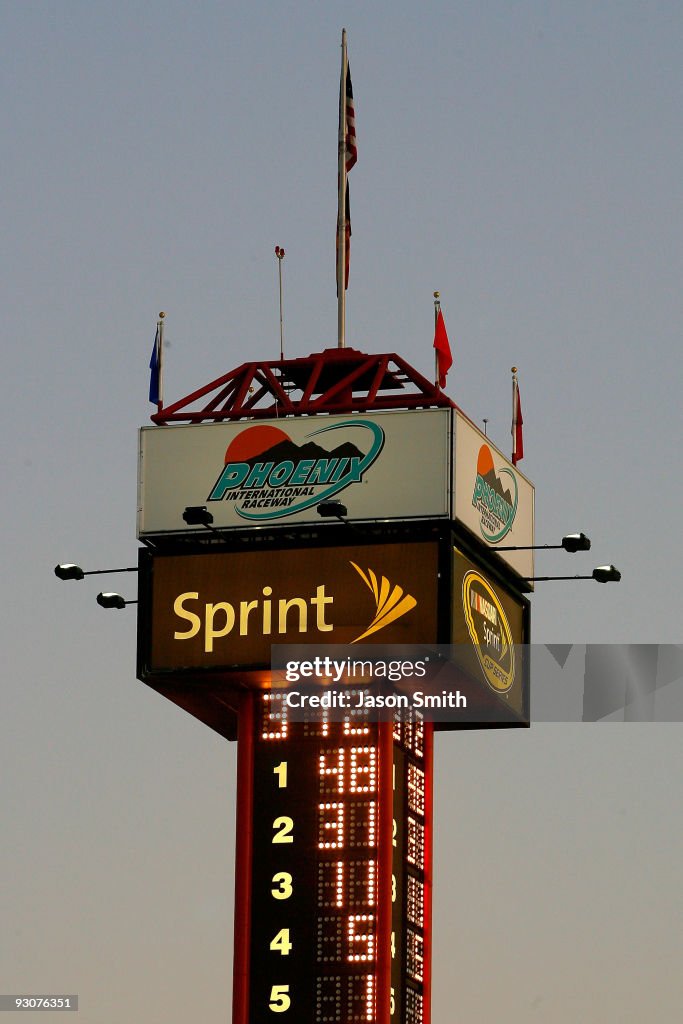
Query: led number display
x=410 y=895
x=336 y=898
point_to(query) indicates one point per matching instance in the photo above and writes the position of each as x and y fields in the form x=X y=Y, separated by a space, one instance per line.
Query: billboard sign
x=393 y=465
x=490 y=627
x=224 y=611
x=491 y=498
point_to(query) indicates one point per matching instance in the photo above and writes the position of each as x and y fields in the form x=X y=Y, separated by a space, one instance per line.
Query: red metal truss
x=336 y=380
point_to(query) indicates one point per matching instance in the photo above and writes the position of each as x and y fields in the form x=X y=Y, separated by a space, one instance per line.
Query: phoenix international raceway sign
x=491 y=498
x=431 y=463
x=393 y=465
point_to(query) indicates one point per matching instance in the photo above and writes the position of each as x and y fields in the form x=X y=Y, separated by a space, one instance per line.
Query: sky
x=524 y=159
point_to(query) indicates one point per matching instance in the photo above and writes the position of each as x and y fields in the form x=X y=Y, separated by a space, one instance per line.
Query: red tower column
x=332 y=874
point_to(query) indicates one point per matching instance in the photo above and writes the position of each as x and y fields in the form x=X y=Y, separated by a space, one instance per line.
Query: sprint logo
x=391 y=602
x=266 y=614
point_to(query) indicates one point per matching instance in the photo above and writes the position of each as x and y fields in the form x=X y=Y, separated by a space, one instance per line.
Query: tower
x=339 y=502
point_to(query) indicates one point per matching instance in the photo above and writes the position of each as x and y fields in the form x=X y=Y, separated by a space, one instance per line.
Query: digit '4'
x=281 y=943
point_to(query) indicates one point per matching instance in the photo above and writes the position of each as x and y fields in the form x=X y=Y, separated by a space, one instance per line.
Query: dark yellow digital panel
x=226 y=610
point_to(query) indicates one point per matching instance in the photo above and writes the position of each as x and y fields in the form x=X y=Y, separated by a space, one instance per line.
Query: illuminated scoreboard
x=333 y=873
x=334 y=817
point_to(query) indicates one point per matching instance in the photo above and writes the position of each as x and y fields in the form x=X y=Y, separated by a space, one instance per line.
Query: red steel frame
x=336 y=380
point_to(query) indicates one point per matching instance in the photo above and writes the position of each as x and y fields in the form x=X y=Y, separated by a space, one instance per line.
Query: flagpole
x=341 y=203
x=160 y=329
x=280 y=254
x=437 y=307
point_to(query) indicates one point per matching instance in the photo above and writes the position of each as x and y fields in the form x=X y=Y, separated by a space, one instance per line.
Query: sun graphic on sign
x=253 y=441
x=485 y=461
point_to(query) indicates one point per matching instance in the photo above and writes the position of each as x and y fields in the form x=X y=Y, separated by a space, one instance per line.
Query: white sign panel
x=393 y=465
x=491 y=497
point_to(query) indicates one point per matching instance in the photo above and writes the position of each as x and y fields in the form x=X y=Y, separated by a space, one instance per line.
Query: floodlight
x=576 y=542
x=110 y=600
x=331 y=509
x=69 y=571
x=606 y=574
x=603 y=574
x=572 y=542
x=197 y=515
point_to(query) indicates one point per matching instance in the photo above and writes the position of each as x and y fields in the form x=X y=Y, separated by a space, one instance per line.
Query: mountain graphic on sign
x=494 y=483
x=288 y=451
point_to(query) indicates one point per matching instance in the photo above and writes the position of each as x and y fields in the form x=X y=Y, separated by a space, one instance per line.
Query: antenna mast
x=280 y=253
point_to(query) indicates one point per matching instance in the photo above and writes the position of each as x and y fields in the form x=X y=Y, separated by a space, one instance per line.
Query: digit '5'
x=279 y=998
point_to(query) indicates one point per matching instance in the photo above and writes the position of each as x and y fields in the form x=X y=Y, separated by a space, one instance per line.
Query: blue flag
x=154 y=372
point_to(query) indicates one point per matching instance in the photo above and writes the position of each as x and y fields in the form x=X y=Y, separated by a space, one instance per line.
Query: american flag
x=347 y=241
x=347 y=132
x=350 y=119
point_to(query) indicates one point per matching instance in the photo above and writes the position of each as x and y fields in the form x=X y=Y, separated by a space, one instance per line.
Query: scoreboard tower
x=340 y=498
x=333 y=824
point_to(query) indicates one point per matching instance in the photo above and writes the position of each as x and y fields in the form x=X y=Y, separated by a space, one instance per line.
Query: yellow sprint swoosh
x=391 y=603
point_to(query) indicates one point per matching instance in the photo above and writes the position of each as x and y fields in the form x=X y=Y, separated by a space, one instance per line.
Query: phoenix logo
x=494 y=497
x=268 y=476
x=391 y=602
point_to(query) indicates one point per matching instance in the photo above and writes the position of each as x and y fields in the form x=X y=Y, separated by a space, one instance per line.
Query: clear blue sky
x=526 y=160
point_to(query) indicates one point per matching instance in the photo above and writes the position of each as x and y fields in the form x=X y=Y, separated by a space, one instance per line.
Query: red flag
x=517 y=423
x=444 y=359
